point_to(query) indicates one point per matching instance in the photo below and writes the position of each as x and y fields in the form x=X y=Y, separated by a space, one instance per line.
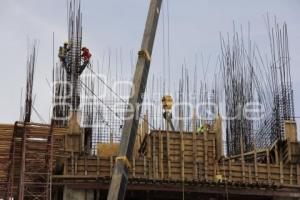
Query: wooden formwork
x=6 y=132
x=190 y=158
x=169 y=156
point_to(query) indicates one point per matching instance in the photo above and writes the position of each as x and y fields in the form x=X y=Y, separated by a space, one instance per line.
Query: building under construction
x=91 y=151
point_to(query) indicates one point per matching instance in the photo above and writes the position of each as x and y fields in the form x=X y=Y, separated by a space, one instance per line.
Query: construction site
x=180 y=147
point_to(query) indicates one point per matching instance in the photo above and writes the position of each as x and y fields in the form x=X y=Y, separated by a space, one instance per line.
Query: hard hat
x=66 y=43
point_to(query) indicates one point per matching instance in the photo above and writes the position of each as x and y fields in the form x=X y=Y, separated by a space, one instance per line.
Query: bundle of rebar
x=29 y=82
x=265 y=84
x=238 y=90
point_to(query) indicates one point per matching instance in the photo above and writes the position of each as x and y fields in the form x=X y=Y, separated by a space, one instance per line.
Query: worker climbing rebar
x=86 y=55
x=74 y=60
x=63 y=56
x=63 y=53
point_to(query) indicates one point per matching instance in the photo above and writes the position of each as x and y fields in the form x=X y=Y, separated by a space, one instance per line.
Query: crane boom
x=120 y=174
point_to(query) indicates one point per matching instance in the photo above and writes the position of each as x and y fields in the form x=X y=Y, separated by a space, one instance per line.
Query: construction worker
x=200 y=129
x=86 y=55
x=63 y=51
x=203 y=128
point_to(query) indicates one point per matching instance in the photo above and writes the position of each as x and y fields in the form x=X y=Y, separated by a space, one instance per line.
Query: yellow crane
x=119 y=179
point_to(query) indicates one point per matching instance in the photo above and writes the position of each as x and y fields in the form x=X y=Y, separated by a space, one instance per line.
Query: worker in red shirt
x=86 y=55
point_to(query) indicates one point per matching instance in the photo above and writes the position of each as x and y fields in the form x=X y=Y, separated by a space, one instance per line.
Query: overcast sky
x=195 y=26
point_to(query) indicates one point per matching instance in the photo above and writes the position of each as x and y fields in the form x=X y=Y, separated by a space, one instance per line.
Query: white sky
x=195 y=26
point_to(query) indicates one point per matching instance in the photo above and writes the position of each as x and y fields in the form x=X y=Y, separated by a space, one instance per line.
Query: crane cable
x=93 y=93
x=124 y=101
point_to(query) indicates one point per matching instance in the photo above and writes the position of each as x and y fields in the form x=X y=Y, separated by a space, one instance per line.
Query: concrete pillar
x=78 y=194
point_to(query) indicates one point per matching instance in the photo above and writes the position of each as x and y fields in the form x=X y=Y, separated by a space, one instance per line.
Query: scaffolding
x=31 y=162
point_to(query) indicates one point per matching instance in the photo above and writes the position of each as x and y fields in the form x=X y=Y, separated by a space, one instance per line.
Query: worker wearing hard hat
x=200 y=129
x=203 y=128
x=63 y=52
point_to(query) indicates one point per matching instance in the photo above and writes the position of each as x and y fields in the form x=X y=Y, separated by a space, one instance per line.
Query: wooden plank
x=98 y=165
x=268 y=168
x=154 y=156
x=298 y=174
x=182 y=156
x=290 y=133
x=205 y=155
x=133 y=166
x=291 y=175
x=76 y=166
x=250 y=174
x=145 y=167
x=107 y=149
x=214 y=158
x=255 y=163
x=66 y=166
x=194 y=145
x=229 y=171
x=161 y=155
x=281 y=172
x=73 y=164
x=289 y=150
x=85 y=166
x=168 y=154
x=242 y=159
x=149 y=156
x=276 y=154
x=111 y=165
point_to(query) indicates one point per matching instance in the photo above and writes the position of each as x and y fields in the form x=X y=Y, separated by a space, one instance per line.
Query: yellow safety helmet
x=66 y=43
